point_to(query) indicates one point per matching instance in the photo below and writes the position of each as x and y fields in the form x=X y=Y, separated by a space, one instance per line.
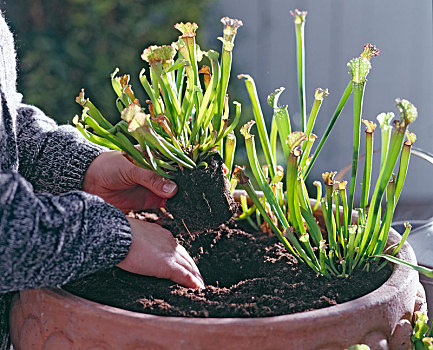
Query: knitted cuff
x=69 y=170
x=54 y=159
x=114 y=233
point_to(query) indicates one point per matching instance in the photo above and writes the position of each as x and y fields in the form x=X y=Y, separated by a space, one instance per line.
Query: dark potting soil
x=203 y=198
x=246 y=274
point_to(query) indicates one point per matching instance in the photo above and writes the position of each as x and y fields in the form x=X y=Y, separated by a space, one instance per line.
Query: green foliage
x=184 y=120
x=65 y=45
x=351 y=242
x=422 y=333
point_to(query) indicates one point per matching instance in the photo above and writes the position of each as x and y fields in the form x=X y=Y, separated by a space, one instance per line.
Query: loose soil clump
x=246 y=274
x=203 y=199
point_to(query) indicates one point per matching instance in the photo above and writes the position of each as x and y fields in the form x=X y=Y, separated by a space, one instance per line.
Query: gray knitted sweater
x=50 y=232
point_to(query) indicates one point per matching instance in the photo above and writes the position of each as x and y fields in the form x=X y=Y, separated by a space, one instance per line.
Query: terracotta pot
x=54 y=319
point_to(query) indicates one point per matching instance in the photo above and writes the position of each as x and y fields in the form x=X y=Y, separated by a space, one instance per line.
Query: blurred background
x=64 y=45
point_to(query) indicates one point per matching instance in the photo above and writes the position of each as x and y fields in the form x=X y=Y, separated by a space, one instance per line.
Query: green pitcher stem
x=381 y=184
x=300 y=58
x=404 y=163
x=367 y=170
x=358 y=94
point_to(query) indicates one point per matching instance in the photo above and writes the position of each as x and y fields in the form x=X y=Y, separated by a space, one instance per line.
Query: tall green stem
x=377 y=246
x=260 y=120
x=358 y=94
x=384 y=176
x=292 y=193
x=404 y=163
x=367 y=168
x=230 y=30
x=300 y=60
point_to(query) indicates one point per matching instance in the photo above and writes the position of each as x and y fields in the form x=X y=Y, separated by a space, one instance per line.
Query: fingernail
x=169 y=187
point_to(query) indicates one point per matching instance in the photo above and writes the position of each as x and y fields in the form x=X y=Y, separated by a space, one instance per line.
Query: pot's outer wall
x=54 y=319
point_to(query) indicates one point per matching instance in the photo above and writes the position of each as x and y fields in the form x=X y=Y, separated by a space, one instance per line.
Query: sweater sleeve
x=53 y=158
x=49 y=240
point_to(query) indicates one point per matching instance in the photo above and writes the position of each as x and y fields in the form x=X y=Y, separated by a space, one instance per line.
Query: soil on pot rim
x=203 y=199
x=246 y=274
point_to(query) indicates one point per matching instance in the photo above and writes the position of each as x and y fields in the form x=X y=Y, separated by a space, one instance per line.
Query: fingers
x=155 y=252
x=162 y=187
x=182 y=251
x=183 y=276
x=139 y=198
x=187 y=262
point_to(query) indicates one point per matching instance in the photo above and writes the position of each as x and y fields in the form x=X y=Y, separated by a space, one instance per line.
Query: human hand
x=126 y=186
x=155 y=252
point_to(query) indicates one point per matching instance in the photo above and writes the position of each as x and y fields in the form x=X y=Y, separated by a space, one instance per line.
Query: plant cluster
x=351 y=241
x=422 y=336
x=185 y=119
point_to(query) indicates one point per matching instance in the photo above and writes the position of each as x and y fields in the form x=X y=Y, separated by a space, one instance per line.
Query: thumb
x=159 y=185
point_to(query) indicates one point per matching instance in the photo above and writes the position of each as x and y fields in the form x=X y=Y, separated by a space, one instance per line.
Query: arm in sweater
x=54 y=159
x=49 y=240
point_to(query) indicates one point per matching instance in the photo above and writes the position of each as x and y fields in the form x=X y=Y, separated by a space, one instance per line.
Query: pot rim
x=384 y=294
